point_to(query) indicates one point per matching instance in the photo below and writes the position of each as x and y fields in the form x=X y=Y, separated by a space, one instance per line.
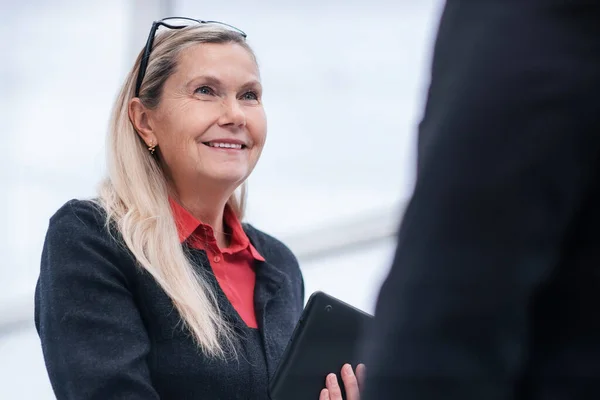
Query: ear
x=140 y=118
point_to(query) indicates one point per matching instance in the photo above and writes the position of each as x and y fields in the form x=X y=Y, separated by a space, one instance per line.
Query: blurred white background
x=345 y=81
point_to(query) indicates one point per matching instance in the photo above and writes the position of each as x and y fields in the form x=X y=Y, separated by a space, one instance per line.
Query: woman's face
x=210 y=125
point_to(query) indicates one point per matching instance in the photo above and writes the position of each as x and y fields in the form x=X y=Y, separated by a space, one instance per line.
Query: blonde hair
x=134 y=194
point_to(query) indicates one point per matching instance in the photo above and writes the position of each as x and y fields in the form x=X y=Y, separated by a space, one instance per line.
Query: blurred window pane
x=61 y=69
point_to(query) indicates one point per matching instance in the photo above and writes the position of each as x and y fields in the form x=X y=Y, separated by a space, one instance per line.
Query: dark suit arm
x=508 y=147
x=93 y=339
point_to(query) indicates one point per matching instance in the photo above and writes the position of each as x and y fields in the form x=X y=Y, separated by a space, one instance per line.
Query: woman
x=156 y=289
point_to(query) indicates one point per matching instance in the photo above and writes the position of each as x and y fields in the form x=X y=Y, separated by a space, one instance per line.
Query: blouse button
x=217 y=258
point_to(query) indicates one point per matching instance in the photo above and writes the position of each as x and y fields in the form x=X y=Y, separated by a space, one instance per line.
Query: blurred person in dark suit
x=495 y=286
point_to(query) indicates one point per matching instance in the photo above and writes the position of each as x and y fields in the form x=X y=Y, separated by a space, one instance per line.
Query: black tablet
x=326 y=337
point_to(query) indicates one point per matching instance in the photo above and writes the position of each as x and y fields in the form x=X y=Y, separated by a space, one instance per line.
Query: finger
x=335 y=393
x=361 y=375
x=324 y=395
x=350 y=383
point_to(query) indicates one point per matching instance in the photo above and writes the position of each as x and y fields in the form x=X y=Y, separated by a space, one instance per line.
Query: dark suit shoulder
x=80 y=214
x=80 y=226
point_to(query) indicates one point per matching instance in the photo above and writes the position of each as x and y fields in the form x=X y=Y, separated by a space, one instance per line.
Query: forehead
x=226 y=61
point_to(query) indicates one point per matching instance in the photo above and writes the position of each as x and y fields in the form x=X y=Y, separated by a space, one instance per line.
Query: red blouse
x=233 y=266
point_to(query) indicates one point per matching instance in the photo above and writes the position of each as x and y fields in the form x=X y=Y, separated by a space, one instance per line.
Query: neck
x=206 y=208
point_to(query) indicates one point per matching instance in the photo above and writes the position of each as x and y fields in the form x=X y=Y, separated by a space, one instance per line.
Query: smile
x=232 y=146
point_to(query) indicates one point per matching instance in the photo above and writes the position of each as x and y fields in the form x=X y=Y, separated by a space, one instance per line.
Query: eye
x=205 y=90
x=250 y=96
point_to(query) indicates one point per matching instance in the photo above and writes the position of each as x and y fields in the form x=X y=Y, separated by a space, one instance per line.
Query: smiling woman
x=156 y=289
x=210 y=126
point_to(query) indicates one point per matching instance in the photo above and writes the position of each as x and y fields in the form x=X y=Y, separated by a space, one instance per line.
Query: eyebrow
x=214 y=81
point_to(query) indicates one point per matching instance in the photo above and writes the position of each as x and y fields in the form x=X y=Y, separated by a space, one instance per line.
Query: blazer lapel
x=269 y=282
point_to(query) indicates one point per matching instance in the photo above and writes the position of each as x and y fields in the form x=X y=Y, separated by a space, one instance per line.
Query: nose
x=232 y=114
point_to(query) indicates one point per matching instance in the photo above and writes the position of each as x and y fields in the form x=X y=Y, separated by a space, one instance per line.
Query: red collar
x=187 y=225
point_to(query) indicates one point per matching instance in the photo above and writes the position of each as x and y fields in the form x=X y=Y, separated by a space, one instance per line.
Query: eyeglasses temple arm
x=145 y=58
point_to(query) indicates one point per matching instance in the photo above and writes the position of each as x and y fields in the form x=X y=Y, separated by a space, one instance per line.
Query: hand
x=352 y=384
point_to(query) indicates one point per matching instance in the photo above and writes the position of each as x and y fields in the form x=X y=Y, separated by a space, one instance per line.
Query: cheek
x=179 y=152
x=174 y=146
x=182 y=138
x=258 y=128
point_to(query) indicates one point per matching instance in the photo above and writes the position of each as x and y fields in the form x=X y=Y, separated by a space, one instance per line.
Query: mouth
x=225 y=145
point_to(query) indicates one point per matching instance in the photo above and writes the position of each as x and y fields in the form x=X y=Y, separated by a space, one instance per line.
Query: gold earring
x=152 y=148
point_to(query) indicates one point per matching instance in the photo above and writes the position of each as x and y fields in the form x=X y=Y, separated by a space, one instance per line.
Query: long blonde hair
x=134 y=194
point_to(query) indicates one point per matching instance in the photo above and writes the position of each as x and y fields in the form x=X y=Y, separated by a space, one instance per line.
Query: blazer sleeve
x=93 y=339
x=508 y=153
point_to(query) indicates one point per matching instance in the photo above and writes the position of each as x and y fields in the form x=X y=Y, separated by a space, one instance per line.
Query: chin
x=228 y=177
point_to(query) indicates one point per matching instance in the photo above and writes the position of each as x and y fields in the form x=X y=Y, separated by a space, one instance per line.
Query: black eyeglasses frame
x=165 y=22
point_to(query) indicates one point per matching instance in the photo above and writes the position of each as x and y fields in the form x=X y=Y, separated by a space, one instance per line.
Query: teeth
x=225 y=145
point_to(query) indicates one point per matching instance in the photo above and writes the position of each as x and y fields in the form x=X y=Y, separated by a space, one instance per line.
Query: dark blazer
x=108 y=331
x=495 y=287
